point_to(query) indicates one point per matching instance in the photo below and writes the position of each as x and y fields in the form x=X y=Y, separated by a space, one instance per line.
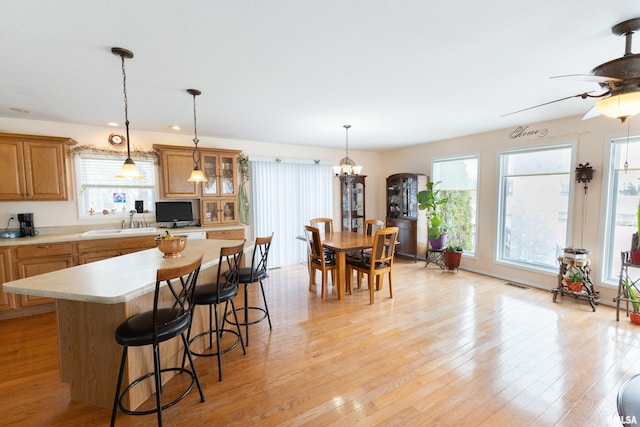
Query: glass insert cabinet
x=352 y=195
x=402 y=212
x=218 y=196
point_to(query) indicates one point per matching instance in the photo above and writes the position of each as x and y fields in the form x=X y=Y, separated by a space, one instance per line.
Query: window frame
x=500 y=205
x=435 y=178
x=83 y=212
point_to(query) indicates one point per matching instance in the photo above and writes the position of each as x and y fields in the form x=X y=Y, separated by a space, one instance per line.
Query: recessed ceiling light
x=113 y=124
x=175 y=127
x=19 y=110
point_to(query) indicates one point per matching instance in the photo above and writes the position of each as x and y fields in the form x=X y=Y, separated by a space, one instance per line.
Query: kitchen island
x=93 y=299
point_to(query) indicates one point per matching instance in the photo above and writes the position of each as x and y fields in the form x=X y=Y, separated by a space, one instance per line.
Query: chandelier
x=347 y=166
x=129 y=169
x=196 y=174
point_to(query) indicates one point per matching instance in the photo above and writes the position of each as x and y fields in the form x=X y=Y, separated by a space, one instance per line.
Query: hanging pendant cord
x=196 y=151
x=126 y=105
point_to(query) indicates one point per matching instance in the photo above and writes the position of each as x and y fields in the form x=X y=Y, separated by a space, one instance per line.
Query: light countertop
x=117 y=279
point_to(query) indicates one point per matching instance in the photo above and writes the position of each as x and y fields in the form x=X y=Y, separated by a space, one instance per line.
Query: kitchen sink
x=120 y=231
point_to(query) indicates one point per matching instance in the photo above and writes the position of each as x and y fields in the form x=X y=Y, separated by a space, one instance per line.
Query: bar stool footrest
x=253 y=322
x=222 y=351
x=166 y=405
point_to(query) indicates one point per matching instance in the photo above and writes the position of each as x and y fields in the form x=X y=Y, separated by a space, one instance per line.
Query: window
x=624 y=196
x=534 y=206
x=459 y=183
x=101 y=193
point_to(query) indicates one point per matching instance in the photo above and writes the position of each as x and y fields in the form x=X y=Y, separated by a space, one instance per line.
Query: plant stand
x=588 y=293
x=434 y=256
x=623 y=293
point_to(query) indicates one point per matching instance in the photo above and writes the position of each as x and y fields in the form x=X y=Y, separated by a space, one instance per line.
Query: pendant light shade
x=196 y=174
x=347 y=166
x=129 y=169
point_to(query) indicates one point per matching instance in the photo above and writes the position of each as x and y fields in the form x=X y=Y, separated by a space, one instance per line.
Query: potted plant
x=574 y=281
x=634 y=316
x=452 y=255
x=431 y=201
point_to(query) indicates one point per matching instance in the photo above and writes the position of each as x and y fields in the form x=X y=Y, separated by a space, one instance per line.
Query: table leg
x=342 y=272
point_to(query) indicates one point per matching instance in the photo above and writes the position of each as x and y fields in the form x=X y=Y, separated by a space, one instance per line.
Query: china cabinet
x=352 y=196
x=402 y=212
x=34 y=167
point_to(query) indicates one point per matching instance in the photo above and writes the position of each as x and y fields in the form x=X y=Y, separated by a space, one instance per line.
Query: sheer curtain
x=286 y=196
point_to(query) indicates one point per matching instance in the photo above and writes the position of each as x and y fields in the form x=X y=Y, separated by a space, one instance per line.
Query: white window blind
x=285 y=197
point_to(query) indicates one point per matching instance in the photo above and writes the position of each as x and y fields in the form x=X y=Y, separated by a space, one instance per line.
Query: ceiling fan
x=619 y=80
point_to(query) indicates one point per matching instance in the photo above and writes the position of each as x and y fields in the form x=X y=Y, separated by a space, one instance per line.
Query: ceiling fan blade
x=580 y=95
x=588 y=78
x=593 y=112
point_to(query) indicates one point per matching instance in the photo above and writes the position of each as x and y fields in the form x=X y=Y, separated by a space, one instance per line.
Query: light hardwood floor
x=448 y=349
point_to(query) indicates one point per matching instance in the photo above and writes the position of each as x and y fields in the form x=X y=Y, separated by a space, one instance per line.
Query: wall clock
x=116 y=140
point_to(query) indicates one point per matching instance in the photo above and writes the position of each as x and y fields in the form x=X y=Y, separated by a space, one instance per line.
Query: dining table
x=342 y=242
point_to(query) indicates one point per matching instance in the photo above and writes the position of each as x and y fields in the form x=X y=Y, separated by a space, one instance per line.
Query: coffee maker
x=26 y=225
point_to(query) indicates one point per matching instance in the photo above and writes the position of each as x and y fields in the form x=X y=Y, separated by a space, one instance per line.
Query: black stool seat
x=139 y=329
x=254 y=274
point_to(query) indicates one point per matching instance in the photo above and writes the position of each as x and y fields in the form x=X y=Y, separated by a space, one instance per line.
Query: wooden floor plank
x=448 y=349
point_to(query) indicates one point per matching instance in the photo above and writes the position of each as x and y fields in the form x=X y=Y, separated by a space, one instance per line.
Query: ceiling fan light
x=197 y=176
x=620 y=106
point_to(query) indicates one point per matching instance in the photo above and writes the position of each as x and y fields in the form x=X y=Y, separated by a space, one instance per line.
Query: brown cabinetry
x=402 y=212
x=99 y=249
x=234 y=234
x=31 y=260
x=7 y=301
x=218 y=196
x=33 y=167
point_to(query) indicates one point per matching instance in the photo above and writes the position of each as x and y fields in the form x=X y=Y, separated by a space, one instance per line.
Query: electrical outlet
x=12 y=217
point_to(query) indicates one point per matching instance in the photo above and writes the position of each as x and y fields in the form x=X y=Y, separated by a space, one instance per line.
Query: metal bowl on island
x=171 y=246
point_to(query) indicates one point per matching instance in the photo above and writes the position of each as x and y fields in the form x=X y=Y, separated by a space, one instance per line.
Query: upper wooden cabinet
x=218 y=196
x=34 y=167
x=176 y=164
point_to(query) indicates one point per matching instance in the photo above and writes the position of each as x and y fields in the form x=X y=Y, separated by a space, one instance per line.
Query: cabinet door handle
x=44 y=246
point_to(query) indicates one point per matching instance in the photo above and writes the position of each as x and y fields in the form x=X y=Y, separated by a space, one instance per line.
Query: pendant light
x=129 y=169
x=196 y=175
x=347 y=167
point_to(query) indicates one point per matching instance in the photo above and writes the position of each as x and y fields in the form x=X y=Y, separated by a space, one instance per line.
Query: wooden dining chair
x=324 y=225
x=318 y=259
x=381 y=262
x=370 y=228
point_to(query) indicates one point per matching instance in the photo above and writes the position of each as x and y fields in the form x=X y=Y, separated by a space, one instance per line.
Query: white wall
x=593 y=139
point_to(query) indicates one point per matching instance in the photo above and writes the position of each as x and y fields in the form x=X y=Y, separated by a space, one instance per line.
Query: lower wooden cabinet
x=31 y=260
x=235 y=234
x=7 y=301
x=99 y=249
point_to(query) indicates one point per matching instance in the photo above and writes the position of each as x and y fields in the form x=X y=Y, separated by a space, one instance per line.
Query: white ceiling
x=401 y=72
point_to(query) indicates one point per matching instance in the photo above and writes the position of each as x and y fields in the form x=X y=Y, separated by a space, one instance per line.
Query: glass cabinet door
x=210 y=169
x=227 y=175
x=218 y=211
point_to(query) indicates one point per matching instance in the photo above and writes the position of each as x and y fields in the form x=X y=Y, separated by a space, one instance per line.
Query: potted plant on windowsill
x=574 y=281
x=431 y=201
x=452 y=255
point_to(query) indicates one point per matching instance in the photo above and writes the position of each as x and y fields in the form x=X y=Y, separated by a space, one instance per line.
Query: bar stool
x=255 y=274
x=165 y=321
x=223 y=290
